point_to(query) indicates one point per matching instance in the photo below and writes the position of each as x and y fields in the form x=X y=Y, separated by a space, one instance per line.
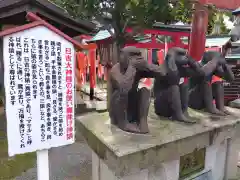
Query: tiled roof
x=47 y=10
x=102 y=34
x=219 y=41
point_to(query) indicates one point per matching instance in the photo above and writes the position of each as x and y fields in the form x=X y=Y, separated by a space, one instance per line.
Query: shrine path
x=66 y=163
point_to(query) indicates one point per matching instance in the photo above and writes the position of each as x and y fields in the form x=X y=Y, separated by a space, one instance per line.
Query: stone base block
x=118 y=155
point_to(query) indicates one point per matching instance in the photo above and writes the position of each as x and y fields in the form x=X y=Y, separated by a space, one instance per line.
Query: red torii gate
x=200 y=23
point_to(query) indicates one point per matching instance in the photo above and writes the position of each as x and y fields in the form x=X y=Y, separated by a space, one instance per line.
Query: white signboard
x=39 y=88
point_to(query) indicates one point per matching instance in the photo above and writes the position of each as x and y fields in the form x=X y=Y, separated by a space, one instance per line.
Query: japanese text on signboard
x=39 y=86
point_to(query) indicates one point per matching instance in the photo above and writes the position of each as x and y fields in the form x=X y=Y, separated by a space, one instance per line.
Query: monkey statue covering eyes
x=129 y=105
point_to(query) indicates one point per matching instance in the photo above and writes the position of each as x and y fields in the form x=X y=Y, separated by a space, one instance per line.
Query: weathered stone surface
x=235 y=103
x=126 y=153
x=84 y=105
x=99 y=94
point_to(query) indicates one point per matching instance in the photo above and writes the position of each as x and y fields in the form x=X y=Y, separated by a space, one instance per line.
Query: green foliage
x=219 y=23
x=141 y=13
x=182 y=11
x=211 y=21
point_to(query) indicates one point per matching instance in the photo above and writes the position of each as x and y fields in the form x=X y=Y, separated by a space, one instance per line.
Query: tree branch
x=125 y=25
x=109 y=29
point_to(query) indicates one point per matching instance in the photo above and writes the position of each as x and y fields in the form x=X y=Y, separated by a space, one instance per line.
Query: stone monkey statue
x=171 y=96
x=203 y=92
x=129 y=105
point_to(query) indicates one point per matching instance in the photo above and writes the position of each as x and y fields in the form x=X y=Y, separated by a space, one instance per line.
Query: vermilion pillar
x=199 y=30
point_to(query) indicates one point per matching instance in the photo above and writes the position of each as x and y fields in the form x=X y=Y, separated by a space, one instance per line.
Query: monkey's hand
x=123 y=81
x=195 y=66
x=151 y=69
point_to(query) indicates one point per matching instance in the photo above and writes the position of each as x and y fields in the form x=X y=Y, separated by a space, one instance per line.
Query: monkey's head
x=176 y=57
x=128 y=54
x=213 y=55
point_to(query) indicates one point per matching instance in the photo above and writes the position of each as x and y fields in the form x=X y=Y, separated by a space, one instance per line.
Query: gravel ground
x=66 y=163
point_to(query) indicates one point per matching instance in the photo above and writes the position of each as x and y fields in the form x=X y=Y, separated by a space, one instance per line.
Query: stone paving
x=66 y=163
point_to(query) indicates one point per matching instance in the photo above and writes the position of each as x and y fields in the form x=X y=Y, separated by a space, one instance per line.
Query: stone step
x=99 y=93
x=84 y=105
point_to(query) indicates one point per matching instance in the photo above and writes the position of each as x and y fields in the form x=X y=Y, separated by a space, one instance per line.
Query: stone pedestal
x=118 y=155
x=235 y=103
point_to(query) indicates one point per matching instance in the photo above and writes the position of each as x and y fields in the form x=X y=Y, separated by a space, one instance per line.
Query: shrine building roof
x=236 y=12
x=103 y=34
x=216 y=41
x=13 y=12
x=172 y=27
x=39 y=22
